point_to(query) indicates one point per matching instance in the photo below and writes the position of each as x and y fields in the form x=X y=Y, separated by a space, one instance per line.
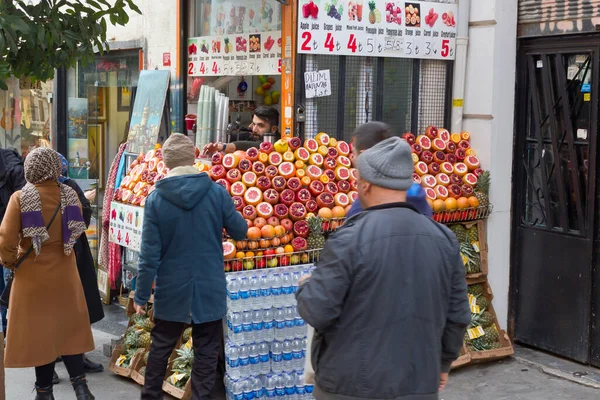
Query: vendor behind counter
x=265 y=121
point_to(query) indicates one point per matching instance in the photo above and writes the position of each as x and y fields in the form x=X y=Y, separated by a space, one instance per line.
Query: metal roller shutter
x=557 y=17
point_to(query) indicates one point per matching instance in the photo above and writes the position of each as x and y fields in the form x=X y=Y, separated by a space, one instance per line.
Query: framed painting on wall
x=97 y=103
x=96 y=153
x=123 y=98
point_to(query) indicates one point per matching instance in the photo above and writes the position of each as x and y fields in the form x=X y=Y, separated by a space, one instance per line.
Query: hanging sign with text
x=317 y=84
x=378 y=28
x=126 y=225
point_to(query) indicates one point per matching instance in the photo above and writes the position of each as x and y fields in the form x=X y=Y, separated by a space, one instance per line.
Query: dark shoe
x=55 y=379
x=81 y=388
x=44 y=393
x=91 y=367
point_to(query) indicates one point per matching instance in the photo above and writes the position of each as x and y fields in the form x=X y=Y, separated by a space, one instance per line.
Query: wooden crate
x=121 y=371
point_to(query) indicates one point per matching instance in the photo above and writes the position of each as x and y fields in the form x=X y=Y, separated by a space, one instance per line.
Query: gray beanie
x=178 y=151
x=388 y=164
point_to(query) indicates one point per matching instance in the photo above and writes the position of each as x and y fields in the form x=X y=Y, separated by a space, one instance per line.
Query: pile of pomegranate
x=446 y=166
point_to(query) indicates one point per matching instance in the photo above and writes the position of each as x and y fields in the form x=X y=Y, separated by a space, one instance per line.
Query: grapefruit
x=429 y=180
x=353 y=195
x=316 y=159
x=287 y=169
x=240 y=154
x=343 y=148
x=438 y=144
x=344 y=161
x=444 y=135
x=325 y=213
x=470 y=179
x=430 y=193
x=311 y=145
x=289 y=156
x=264 y=209
x=451 y=204
x=443 y=179
x=424 y=142
x=322 y=139
x=237 y=189
x=152 y=164
x=438 y=205
x=228 y=250
x=253 y=196
x=416 y=178
x=302 y=154
x=354 y=174
x=472 y=162
x=249 y=178
x=441 y=192
x=230 y=161
x=149 y=155
x=275 y=158
x=447 y=167
x=338 y=212
x=460 y=169
x=421 y=168
x=341 y=199
x=342 y=173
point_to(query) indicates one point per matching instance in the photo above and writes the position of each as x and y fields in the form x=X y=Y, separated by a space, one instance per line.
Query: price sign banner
x=126 y=223
x=378 y=28
x=317 y=84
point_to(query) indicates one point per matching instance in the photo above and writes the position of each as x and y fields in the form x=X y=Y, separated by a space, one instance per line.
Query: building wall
x=489 y=116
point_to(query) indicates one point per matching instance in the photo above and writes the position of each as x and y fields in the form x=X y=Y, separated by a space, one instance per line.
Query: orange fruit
x=240 y=254
x=305 y=180
x=338 y=212
x=332 y=142
x=254 y=233
x=279 y=230
x=324 y=179
x=451 y=204
x=473 y=201
x=430 y=202
x=263 y=157
x=465 y=136
x=267 y=231
x=323 y=150
x=455 y=137
x=288 y=248
x=249 y=254
x=325 y=213
x=462 y=203
x=438 y=205
x=299 y=164
x=300 y=173
x=288 y=156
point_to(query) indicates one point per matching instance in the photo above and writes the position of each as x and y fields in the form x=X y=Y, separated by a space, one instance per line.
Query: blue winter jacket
x=182 y=248
x=415 y=196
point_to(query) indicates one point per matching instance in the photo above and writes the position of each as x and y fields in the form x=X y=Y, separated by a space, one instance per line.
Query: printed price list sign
x=126 y=223
x=398 y=29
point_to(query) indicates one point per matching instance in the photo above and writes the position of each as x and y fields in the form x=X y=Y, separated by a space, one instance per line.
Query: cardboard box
x=462 y=360
x=186 y=392
x=495 y=354
x=130 y=310
x=122 y=371
x=135 y=369
x=483 y=250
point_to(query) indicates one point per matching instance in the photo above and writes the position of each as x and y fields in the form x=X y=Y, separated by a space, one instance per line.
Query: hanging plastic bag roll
x=309 y=373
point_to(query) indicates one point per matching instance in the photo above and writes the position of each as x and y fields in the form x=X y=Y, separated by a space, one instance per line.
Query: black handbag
x=5 y=296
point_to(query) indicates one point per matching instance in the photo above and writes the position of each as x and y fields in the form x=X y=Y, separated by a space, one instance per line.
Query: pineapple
x=146 y=354
x=143 y=340
x=136 y=319
x=476 y=290
x=489 y=341
x=473 y=234
x=484 y=318
x=470 y=258
x=460 y=232
x=185 y=359
x=142 y=371
x=187 y=334
x=482 y=302
x=146 y=325
x=315 y=240
x=482 y=189
x=372 y=16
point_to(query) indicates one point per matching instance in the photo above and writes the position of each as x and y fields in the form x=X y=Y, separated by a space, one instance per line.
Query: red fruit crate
x=464 y=215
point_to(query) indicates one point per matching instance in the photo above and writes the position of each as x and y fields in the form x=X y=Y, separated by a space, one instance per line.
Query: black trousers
x=74 y=365
x=207 y=339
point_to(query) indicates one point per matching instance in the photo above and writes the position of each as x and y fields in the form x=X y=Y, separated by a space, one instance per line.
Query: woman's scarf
x=42 y=165
x=64 y=175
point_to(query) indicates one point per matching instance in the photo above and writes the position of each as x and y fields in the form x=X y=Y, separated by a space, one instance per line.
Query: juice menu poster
x=378 y=28
x=237 y=17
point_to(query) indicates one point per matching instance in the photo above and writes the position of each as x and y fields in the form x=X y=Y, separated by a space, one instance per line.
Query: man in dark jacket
x=12 y=178
x=368 y=135
x=182 y=249
x=388 y=299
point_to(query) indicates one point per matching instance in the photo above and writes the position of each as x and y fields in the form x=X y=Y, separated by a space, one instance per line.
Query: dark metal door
x=554 y=195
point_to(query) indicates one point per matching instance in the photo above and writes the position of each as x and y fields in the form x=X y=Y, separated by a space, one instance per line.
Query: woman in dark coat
x=85 y=263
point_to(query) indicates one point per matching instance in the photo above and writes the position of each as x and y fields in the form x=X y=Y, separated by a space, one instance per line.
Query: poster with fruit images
x=378 y=28
x=245 y=40
x=126 y=223
x=244 y=54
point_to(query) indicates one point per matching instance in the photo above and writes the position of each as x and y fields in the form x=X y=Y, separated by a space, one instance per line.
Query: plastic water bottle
x=264 y=359
x=244 y=293
x=309 y=391
x=289 y=383
x=237 y=390
x=266 y=300
x=257 y=325
x=257 y=387
x=237 y=335
x=269 y=385
x=276 y=290
x=304 y=349
x=277 y=357
x=268 y=332
x=247 y=326
x=287 y=356
x=279 y=386
x=279 y=317
x=244 y=361
x=228 y=389
x=299 y=325
x=290 y=318
x=300 y=387
x=298 y=360
x=233 y=362
x=254 y=284
x=248 y=390
x=286 y=289
x=254 y=359
x=233 y=293
x=296 y=275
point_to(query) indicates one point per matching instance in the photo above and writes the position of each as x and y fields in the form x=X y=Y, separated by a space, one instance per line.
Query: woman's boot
x=43 y=393
x=81 y=388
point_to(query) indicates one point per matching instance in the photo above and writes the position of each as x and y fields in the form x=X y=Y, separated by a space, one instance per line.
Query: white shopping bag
x=309 y=373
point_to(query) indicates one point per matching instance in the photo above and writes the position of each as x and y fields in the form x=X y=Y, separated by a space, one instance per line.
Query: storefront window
x=26 y=120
